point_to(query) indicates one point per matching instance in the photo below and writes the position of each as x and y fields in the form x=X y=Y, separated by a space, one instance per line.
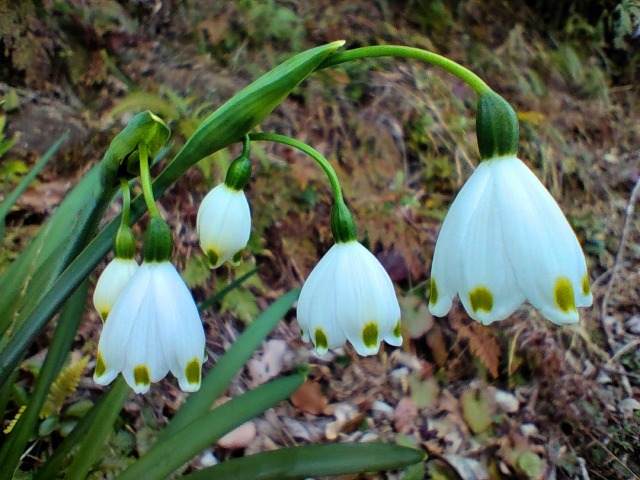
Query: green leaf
x=166 y=455
x=112 y=400
x=58 y=350
x=220 y=376
x=242 y=303
x=97 y=433
x=10 y=200
x=226 y=125
x=297 y=463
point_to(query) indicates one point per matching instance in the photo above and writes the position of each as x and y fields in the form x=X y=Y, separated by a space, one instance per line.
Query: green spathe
x=145 y=128
x=497 y=127
x=158 y=241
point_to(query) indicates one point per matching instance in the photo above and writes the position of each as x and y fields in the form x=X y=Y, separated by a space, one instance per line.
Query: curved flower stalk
x=348 y=295
x=224 y=218
x=153 y=328
x=504 y=241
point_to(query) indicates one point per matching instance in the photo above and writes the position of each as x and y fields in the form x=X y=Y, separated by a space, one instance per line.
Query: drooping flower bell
x=348 y=296
x=505 y=239
x=224 y=218
x=117 y=273
x=154 y=326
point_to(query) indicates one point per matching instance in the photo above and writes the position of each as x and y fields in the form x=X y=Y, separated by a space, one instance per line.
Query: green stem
x=375 y=51
x=246 y=146
x=126 y=202
x=145 y=179
x=312 y=152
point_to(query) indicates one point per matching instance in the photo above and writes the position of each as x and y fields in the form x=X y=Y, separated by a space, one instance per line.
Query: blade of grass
x=58 y=351
x=220 y=376
x=166 y=456
x=108 y=403
x=298 y=463
x=216 y=297
x=9 y=202
x=98 y=432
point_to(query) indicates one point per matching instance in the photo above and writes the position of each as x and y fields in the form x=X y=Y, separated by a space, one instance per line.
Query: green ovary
x=192 y=372
x=563 y=295
x=481 y=299
x=101 y=367
x=321 y=339
x=141 y=375
x=434 y=291
x=370 y=335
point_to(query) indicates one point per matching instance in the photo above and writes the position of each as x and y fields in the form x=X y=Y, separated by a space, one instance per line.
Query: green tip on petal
x=397 y=330
x=101 y=367
x=213 y=258
x=321 y=339
x=193 y=371
x=103 y=315
x=563 y=295
x=586 y=289
x=237 y=257
x=434 y=291
x=481 y=299
x=370 y=335
x=141 y=375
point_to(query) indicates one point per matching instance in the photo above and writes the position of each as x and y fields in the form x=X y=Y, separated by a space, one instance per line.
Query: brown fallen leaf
x=309 y=398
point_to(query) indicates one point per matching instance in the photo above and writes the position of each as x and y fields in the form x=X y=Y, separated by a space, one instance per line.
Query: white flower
x=505 y=241
x=113 y=278
x=224 y=224
x=349 y=296
x=153 y=327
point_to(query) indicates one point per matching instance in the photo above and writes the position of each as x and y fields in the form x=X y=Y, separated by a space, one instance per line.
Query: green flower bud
x=121 y=158
x=497 y=127
x=343 y=225
x=158 y=241
x=239 y=173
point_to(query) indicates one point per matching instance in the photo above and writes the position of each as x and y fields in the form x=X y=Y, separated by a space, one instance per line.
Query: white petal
x=114 y=277
x=180 y=328
x=116 y=332
x=446 y=266
x=549 y=263
x=487 y=288
x=317 y=304
x=224 y=223
x=367 y=306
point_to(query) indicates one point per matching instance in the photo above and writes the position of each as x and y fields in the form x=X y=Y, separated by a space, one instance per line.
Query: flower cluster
x=503 y=242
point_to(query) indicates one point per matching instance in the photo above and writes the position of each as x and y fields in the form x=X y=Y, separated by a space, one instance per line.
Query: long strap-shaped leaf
x=227 y=124
x=92 y=429
x=298 y=463
x=7 y=203
x=109 y=403
x=166 y=456
x=220 y=376
x=58 y=352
